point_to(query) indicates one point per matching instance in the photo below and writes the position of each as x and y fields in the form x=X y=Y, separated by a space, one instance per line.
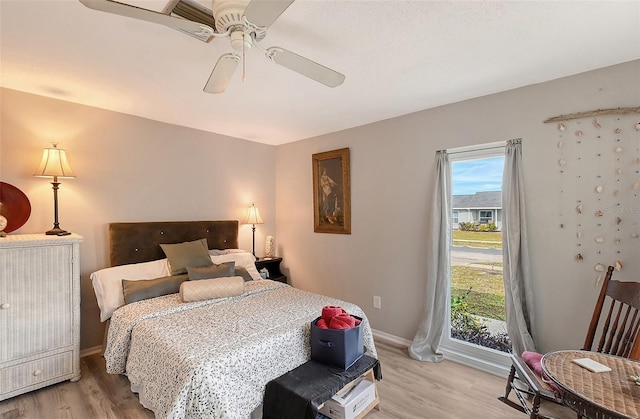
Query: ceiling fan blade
x=264 y=12
x=221 y=74
x=305 y=67
x=197 y=30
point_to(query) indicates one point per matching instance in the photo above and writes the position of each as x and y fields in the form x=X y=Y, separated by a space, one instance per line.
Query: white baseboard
x=91 y=351
x=499 y=366
x=386 y=337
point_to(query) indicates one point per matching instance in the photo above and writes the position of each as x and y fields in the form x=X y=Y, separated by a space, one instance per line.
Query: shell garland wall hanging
x=598 y=165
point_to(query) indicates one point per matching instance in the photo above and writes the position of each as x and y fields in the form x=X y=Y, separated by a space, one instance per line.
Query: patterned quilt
x=212 y=359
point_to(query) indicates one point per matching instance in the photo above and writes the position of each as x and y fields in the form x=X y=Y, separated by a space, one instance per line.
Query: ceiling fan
x=244 y=22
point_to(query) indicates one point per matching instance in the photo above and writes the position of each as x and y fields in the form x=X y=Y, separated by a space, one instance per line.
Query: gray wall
x=129 y=169
x=392 y=167
x=133 y=169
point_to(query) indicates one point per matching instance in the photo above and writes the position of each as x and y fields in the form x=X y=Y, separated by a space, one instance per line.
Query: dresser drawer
x=36 y=372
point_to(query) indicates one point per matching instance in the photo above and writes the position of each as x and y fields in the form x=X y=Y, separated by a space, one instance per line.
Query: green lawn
x=487 y=290
x=477 y=238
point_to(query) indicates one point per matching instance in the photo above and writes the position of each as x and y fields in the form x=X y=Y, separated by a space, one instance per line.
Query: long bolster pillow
x=208 y=289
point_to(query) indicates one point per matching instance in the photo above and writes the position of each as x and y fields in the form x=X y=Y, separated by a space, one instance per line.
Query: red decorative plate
x=14 y=206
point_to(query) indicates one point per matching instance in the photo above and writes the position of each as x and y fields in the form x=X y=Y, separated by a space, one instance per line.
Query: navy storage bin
x=337 y=347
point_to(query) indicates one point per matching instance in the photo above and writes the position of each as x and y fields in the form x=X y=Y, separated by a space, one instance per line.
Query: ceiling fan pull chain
x=244 y=63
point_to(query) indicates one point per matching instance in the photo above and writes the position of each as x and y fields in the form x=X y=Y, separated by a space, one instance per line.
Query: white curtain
x=426 y=343
x=517 y=279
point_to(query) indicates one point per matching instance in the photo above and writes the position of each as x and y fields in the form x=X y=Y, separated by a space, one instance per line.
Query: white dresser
x=39 y=311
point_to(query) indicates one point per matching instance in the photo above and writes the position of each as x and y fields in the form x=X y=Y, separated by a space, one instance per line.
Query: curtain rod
x=475 y=149
x=621 y=111
x=480 y=149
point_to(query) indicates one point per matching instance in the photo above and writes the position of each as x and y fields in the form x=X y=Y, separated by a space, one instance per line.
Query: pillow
x=242 y=272
x=107 y=283
x=208 y=289
x=143 y=290
x=212 y=271
x=534 y=361
x=218 y=252
x=242 y=259
x=187 y=254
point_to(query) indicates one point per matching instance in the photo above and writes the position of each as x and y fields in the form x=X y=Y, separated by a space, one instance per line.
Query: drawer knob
x=37 y=372
x=5 y=306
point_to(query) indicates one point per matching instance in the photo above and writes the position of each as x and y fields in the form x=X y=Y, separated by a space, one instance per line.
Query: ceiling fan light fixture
x=240 y=40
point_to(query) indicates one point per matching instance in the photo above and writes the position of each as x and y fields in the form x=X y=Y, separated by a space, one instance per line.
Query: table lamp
x=55 y=165
x=253 y=217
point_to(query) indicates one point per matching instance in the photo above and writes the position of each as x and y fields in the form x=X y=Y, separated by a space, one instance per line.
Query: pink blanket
x=534 y=361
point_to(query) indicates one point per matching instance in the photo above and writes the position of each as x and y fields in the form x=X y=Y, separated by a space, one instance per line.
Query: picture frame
x=331 y=192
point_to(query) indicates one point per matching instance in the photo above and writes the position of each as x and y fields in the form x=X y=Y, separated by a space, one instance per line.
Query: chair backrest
x=619 y=305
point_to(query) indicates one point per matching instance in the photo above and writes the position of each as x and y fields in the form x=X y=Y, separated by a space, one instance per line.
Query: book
x=591 y=365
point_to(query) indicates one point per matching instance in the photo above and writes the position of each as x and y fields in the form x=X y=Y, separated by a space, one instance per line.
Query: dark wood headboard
x=140 y=242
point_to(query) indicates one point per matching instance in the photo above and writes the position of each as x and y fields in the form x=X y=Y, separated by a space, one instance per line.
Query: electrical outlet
x=377 y=302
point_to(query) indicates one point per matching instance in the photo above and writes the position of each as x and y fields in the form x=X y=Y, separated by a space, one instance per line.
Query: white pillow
x=107 y=283
x=218 y=252
x=241 y=258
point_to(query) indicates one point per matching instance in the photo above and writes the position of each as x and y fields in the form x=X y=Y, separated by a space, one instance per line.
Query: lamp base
x=57 y=232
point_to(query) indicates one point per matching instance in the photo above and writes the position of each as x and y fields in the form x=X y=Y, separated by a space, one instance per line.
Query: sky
x=471 y=176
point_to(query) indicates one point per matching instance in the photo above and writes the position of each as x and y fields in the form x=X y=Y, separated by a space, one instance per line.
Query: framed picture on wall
x=331 y=192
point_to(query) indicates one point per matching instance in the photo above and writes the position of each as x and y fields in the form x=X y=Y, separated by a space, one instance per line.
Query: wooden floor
x=409 y=389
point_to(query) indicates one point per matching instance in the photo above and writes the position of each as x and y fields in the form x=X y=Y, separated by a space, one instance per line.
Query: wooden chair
x=615 y=320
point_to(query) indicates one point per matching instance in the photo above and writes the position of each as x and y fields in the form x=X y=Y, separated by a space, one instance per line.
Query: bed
x=212 y=357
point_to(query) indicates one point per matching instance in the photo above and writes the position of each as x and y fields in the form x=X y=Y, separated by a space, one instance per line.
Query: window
x=486 y=217
x=476 y=324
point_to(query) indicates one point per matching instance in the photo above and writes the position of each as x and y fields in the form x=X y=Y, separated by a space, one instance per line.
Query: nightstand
x=273 y=266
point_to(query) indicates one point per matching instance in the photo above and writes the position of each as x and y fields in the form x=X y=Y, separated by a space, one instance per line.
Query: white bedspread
x=212 y=359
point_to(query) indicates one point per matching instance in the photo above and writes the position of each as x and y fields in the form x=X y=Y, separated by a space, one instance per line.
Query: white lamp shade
x=253 y=216
x=55 y=164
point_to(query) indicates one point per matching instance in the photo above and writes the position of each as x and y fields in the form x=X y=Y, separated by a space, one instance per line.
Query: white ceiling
x=398 y=57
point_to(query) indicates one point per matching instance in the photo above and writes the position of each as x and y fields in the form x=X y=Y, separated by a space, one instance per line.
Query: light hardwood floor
x=409 y=389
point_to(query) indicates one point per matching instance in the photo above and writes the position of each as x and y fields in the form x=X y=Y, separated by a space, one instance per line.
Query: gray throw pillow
x=150 y=288
x=187 y=254
x=213 y=271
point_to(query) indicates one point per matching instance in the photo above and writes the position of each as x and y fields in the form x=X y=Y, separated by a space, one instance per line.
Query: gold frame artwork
x=331 y=192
